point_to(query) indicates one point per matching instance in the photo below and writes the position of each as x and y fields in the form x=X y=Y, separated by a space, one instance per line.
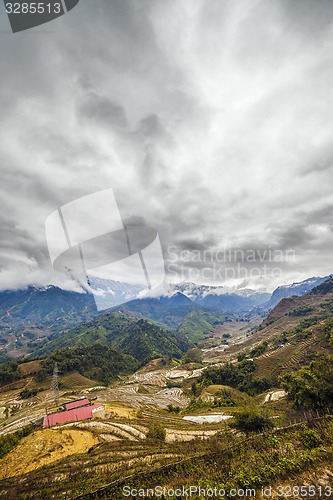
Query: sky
x=211 y=120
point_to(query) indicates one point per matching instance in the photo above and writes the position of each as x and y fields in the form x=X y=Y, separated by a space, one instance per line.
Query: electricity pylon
x=53 y=395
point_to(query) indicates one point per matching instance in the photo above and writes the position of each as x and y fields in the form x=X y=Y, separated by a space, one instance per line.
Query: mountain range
x=297 y=289
x=30 y=318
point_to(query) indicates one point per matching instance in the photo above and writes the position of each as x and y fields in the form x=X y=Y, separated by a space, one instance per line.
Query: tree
x=156 y=432
x=312 y=386
x=250 y=421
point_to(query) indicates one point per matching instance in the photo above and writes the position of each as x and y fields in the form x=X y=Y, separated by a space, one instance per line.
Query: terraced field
x=161 y=422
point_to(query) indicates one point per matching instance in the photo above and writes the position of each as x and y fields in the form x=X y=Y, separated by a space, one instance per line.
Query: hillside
x=100 y=363
x=173 y=423
x=167 y=312
x=198 y=323
x=103 y=329
x=145 y=341
x=49 y=307
x=28 y=317
x=140 y=338
x=296 y=331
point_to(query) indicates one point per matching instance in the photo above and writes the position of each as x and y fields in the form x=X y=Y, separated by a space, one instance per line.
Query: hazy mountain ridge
x=29 y=318
x=46 y=306
x=218 y=298
x=300 y=288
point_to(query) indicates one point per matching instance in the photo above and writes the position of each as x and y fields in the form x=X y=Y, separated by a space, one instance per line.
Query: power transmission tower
x=54 y=384
x=52 y=398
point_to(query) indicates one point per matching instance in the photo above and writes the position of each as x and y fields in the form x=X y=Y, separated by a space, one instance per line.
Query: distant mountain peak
x=299 y=288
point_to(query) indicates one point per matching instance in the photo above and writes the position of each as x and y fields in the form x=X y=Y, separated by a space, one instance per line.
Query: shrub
x=259 y=349
x=311 y=386
x=173 y=409
x=250 y=421
x=156 y=432
x=310 y=439
x=29 y=393
x=9 y=441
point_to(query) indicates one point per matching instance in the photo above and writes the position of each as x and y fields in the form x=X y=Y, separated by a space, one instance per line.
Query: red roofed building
x=77 y=404
x=64 y=417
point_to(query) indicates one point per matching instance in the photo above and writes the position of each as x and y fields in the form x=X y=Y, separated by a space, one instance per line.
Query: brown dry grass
x=30 y=367
x=43 y=448
x=74 y=380
x=120 y=411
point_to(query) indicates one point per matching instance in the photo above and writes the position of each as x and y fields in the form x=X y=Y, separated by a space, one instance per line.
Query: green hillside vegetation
x=265 y=440
x=98 y=363
x=291 y=350
x=8 y=442
x=103 y=349
x=295 y=332
x=104 y=330
x=198 y=323
x=145 y=341
x=311 y=386
x=152 y=309
x=141 y=339
x=238 y=375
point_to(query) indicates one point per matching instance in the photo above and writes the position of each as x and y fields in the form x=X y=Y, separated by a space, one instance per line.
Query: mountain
x=196 y=292
x=177 y=312
x=176 y=300
x=28 y=316
x=111 y=293
x=137 y=337
x=144 y=341
x=298 y=289
x=296 y=331
x=233 y=303
x=198 y=323
x=34 y=317
x=169 y=312
x=218 y=298
x=49 y=307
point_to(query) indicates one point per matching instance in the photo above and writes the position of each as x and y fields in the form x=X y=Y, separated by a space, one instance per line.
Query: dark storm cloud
x=296 y=237
x=323 y=215
x=196 y=244
x=211 y=120
x=103 y=111
x=310 y=18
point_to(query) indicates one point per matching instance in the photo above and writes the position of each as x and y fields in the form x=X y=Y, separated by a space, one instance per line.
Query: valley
x=171 y=409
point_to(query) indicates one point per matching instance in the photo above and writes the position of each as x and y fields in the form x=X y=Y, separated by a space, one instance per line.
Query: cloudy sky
x=212 y=120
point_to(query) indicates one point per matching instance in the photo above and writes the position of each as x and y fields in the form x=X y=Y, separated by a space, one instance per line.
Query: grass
x=227 y=458
x=29 y=367
x=74 y=380
x=251 y=463
x=175 y=463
